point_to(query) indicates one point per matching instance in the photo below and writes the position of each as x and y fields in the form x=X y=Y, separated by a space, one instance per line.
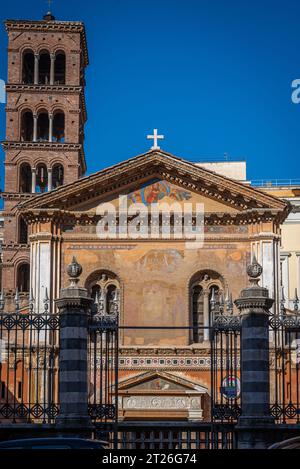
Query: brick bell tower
x=45 y=117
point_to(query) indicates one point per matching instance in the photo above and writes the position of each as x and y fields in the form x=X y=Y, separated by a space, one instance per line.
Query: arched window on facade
x=28 y=67
x=25 y=178
x=23 y=231
x=60 y=68
x=23 y=277
x=27 y=126
x=105 y=290
x=43 y=127
x=41 y=178
x=44 y=68
x=58 y=127
x=202 y=286
x=57 y=176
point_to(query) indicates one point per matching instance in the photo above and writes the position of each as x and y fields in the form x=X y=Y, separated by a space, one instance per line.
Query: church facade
x=162 y=285
x=163 y=288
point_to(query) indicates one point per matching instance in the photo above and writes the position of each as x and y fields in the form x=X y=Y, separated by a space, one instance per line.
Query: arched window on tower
x=23 y=277
x=41 y=178
x=43 y=127
x=23 y=231
x=44 y=68
x=203 y=284
x=60 y=68
x=27 y=126
x=57 y=176
x=28 y=67
x=25 y=178
x=58 y=127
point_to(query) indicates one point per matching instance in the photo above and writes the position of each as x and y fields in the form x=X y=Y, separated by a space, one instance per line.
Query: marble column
x=52 y=68
x=36 y=69
x=35 y=122
x=40 y=272
x=50 y=127
x=206 y=320
x=49 y=179
x=284 y=261
x=33 y=180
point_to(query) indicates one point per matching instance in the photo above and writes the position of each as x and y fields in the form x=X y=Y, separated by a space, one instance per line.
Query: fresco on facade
x=154 y=191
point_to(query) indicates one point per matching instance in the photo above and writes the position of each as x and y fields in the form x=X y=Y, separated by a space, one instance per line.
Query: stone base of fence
x=178 y=435
x=263 y=436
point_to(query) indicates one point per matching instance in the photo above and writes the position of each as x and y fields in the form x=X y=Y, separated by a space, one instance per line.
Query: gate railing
x=163 y=436
x=284 y=362
x=225 y=361
x=28 y=364
x=64 y=367
x=103 y=366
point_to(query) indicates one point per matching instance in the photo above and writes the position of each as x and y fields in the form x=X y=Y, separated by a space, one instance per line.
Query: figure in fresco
x=152 y=193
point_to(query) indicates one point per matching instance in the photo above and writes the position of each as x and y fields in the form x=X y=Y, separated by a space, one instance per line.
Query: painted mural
x=157 y=190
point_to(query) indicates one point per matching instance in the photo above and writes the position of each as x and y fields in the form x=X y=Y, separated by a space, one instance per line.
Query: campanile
x=45 y=118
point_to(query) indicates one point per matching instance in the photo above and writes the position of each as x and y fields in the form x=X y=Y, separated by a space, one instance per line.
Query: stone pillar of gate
x=74 y=307
x=255 y=425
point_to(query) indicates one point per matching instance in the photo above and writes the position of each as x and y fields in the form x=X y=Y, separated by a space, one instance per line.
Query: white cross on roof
x=155 y=137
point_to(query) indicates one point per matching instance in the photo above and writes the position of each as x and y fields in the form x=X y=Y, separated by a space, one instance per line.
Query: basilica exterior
x=163 y=286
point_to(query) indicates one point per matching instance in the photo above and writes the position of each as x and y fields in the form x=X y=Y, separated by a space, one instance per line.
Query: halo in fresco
x=156 y=190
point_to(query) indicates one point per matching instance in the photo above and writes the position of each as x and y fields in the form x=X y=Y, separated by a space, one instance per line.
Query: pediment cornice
x=65 y=217
x=168 y=167
x=131 y=382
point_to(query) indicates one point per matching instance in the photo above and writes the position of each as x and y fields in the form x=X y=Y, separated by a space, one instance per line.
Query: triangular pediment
x=177 y=179
x=158 y=381
x=156 y=191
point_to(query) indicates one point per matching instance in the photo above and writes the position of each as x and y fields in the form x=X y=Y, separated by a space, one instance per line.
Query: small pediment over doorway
x=161 y=396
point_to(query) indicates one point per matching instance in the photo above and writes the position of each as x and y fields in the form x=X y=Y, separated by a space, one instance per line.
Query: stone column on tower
x=35 y=122
x=49 y=179
x=52 y=68
x=36 y=68
x=33 y=180
x=50 y=127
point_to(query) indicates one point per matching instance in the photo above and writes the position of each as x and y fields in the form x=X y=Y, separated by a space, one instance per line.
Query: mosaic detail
x=172 y=362
x=157 y=190
x=167 y=362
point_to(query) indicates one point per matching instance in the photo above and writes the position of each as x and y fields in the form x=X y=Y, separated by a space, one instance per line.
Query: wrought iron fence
x=225 y=361
x=103 y=361
x=284 y=362
x=163 y=436
x=28 y=364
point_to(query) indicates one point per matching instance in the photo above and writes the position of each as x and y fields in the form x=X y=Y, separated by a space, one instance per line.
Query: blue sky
x=213 y=75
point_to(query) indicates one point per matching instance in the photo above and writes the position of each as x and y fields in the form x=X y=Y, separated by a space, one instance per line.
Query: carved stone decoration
x=161 y=402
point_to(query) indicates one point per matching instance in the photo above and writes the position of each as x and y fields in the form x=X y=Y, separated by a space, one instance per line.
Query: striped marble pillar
x=74 y=306
x=254 y=305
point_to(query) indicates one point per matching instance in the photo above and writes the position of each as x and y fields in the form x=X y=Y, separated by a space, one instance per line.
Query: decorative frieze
x=159 y=402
